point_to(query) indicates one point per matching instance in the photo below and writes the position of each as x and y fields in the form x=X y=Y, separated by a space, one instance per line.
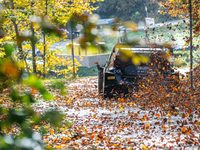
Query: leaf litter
x=156 y=120
x=150 y=119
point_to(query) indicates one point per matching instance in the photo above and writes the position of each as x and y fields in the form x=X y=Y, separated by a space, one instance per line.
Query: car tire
x=100 y=81
x=107 y=93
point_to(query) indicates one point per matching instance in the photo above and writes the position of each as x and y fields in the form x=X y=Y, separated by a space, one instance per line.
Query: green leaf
x=27 y=98
x=59 y=85
x=18 y=116
x=8 y=49
x=15 y=95
x=43 y=130
x=32 y=80
x=54 y=117
x=47 y=96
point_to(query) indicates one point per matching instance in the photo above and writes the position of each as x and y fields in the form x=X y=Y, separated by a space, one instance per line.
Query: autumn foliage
x=180 y=8
x=44 y=115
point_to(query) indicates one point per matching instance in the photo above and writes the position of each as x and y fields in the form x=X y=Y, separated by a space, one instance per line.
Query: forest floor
x=149 y=119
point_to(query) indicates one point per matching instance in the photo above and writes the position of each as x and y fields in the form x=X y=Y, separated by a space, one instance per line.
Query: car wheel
x=107 y=93
x=100 y=81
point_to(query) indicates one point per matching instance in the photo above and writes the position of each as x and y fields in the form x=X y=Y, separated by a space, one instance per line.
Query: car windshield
x=155 y=57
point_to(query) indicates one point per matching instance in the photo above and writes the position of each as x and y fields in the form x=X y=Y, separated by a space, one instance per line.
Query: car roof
x=144 y=49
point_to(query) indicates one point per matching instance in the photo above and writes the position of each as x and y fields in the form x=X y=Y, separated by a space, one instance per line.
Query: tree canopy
x=180 y=9
x=129 y=9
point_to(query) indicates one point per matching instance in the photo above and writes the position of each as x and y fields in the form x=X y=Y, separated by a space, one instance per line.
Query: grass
x=85 y=72
x=184 y=57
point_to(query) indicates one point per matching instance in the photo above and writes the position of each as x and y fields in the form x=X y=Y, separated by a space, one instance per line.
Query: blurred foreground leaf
x=53 y=116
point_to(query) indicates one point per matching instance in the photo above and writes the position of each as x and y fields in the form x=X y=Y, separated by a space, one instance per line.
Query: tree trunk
x=17 y=35
x=44 y=53
x=33 y=50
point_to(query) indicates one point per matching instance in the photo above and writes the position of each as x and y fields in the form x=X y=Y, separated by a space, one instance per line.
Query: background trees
x=27 y=21
x=180 y=9
x=21 y=24
x=129 y=10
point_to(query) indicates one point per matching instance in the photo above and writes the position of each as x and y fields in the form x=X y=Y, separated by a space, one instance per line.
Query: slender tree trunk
x=19 y=43
x=44 y=53
x=33 y=50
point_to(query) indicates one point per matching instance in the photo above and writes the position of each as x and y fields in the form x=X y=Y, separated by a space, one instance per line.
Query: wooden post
x=191 y=59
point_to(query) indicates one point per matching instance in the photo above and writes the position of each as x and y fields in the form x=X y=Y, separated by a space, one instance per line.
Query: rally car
x=117 y=75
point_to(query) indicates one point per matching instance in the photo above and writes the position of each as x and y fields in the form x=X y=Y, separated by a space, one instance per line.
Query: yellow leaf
x=51 y=131
x=169 y=114
x=144 y=147
x=58 y=146
x=121 y=108
x=187 y=115
x=115 y=145
x=124 y=53
x=144 y=59
x=136 y=60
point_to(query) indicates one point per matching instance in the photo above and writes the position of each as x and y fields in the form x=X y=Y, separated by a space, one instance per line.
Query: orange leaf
x=197 y=123
x=148 y=125
x=33 y=91
x=184 y=129
x=187 y=104
x=157 y=115
x=165 y=128
x=135 y=115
